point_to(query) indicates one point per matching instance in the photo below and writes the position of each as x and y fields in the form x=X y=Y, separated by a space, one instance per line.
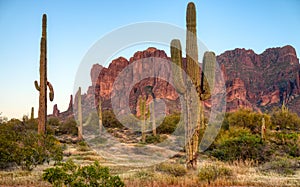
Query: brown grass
x=244 y=173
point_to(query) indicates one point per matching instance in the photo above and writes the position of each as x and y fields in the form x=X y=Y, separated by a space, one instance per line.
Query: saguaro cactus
x=263 y=129
x=149 y=90
x=79 y=114
x=100 y=114
x=32 y=113
x=208 y=75
x=191 y=45
x=42 y=88
x=183 y=86
x=153 y=118
x=142 y=109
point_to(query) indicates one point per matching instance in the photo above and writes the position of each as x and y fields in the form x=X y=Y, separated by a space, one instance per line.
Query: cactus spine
x=79 y=114
x=184 y=87
x=142 y=108
x=42 y=88
x=100 y=115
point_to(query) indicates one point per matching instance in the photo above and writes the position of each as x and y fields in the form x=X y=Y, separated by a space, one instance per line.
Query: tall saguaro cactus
x=32 y=113
x=153 y=118
x=42 y=88
x=100 y=115
x=142 y=109
x=263 y=129
x=191 y=45
x=184 y=85
x=79 y=110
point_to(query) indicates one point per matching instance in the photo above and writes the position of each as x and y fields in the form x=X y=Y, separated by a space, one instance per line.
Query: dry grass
x=23 y=178
x=244 y=173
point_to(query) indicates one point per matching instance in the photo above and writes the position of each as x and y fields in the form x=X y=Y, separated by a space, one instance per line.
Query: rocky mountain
x=255 y=81
x=261 y=81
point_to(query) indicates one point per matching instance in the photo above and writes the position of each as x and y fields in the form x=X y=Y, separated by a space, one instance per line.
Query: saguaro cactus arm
x=80 y=137
x=208 y=75
x=176 y=56
x=36 y=84
x=51 y=93
x=32 y=113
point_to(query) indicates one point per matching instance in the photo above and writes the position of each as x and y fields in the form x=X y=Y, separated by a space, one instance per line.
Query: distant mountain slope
x=260 y=81
x=255 y=81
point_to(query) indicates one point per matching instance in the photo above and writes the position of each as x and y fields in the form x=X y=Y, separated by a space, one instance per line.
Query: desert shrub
x=151 y=139
x=239 y=144
x=285 y=120
x=212 y=172
x=68 y=127
x=247 y=119
x=19 y=146
x=73 y=175
x=281 y=165
x=110 y=120
x=83 y=146
x=169 y=124
x=289 y=143
x=172 y=169
x=53 y=121
x=144 y=175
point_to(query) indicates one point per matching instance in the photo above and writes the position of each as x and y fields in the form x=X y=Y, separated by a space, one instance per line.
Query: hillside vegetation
x=242 y=154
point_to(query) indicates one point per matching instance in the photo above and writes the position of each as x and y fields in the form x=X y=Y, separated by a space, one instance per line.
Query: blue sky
x=74 y=26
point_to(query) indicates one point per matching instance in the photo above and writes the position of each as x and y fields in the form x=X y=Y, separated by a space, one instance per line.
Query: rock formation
x=254 y=81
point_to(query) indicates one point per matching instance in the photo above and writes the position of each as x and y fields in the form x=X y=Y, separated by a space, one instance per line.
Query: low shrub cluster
x=282 y=165
x=240 y=137
x=68 y=127
x=110 y=120
x=212 y=172
x=169 y=124
x=19 y=145
x=151 y=139
x=73 y=175
x=239 y=144
x=172 y=169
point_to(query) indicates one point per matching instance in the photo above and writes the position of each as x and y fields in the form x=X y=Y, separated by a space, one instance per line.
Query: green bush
x=211 y=172
x=151 y=139
x=73 y=175
x=53 y=121
x=169 y=124
x=83 y=146
x=19 y=146
x=281 y=165
x=172 y=169
x=285 y=120
x=68 y=127
x=110 y=120
x=239 y=144
x=289 y=143
x=245 y=118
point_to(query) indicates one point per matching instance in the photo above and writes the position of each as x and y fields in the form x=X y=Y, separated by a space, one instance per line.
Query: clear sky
x=75 y=25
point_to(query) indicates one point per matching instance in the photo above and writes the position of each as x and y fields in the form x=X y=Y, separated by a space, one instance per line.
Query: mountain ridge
x=255 y=81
